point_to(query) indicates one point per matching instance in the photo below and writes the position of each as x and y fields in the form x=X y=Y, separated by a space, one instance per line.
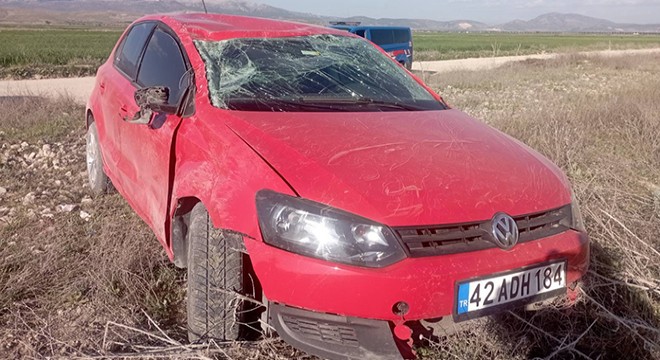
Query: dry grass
x=75 y=287
x=598 y=120
x=61 y=277
x=103 y=287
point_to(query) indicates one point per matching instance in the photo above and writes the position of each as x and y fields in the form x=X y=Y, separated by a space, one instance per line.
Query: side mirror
x=151 y=100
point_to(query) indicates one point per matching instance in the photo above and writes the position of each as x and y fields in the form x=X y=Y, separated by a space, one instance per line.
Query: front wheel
x=222 y=303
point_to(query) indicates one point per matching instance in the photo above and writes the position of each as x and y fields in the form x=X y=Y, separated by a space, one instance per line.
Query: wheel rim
x=92 y=158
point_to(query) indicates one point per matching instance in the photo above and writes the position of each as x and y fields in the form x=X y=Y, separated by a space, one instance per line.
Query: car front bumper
x=333 y=336
x=426 y=284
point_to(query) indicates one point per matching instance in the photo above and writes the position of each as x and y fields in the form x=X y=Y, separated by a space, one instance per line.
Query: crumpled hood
x=404 y=168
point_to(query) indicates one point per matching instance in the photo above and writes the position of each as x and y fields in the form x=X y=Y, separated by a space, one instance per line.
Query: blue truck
x=395 y=40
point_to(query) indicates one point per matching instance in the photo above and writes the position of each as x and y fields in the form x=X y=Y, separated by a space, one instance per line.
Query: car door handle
x=102 y=87
x=123 y=112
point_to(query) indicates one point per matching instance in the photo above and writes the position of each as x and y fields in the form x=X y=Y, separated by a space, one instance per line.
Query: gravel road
x=475 y=64
x=80 y=88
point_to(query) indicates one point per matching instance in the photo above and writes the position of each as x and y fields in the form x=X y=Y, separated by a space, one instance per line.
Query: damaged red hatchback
x=313 y=186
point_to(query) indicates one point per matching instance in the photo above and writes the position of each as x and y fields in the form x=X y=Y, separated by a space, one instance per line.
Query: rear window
x=389 y=36
x=309 y=73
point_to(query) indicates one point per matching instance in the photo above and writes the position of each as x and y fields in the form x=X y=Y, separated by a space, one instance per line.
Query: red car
x=313 y=186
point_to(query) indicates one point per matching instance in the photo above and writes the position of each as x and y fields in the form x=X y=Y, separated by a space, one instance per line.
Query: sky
x=488 y=11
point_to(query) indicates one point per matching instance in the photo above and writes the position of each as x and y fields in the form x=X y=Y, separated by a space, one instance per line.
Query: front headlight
x=312 y=229
x=577 y=223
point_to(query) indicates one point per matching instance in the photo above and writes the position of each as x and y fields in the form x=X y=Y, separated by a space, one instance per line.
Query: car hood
x=404 y=168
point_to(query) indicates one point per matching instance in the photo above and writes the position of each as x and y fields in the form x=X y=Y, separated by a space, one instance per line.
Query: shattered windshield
x=308 y=73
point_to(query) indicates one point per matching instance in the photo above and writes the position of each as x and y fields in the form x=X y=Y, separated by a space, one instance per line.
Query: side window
x=360 y=32
x=382 y=36
x=128 y=53
x=163 y=65
x=401 y=36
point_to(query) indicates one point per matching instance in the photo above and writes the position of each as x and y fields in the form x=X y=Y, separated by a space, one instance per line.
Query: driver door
x=148 y=148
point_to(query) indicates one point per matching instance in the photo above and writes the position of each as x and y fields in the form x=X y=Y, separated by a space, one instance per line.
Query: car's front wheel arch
x=179 y=230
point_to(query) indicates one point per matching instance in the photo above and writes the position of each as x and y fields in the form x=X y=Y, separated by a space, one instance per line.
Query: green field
x=53 y=52
x=61 y=52
x=442 y=46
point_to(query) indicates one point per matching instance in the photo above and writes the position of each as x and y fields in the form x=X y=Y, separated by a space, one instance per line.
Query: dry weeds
x=82 y=277
x=599 y=120
x=102 y=287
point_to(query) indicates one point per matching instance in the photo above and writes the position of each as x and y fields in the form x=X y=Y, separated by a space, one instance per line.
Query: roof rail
x=347 y=23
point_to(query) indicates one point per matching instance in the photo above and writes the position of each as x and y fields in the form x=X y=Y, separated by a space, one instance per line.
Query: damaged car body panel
x=363 y=200
x=404 y=171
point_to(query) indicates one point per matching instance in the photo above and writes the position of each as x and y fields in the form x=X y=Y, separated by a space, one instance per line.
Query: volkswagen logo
x=505 y=231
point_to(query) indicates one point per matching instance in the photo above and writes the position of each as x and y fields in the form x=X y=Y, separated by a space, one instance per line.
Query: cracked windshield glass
x=308 y=73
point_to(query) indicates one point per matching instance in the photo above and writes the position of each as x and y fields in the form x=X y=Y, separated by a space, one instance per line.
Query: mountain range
x=120 y=12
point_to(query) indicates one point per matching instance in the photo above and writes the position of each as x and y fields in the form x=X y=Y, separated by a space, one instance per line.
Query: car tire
x=221 y=286
x=99 y=183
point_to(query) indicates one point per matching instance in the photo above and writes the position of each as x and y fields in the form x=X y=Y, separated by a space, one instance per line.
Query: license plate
x=488 y=295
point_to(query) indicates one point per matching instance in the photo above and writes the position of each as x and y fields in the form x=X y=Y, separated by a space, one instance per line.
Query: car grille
x=322 y=331
x=457 y=238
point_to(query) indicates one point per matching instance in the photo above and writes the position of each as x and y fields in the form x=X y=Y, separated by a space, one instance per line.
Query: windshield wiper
x=284 y=101
x=319 y=103
x=360 y=100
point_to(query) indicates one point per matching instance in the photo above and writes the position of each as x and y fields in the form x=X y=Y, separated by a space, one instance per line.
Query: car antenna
x=204 y=3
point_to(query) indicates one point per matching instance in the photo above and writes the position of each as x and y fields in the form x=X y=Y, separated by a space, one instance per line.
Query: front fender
x=215 y=166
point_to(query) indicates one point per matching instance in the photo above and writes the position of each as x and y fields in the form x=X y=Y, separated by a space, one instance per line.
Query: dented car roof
x=201 y=26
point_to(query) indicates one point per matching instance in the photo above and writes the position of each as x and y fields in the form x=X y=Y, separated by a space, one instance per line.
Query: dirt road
x=80 y=88
x=476 y=64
